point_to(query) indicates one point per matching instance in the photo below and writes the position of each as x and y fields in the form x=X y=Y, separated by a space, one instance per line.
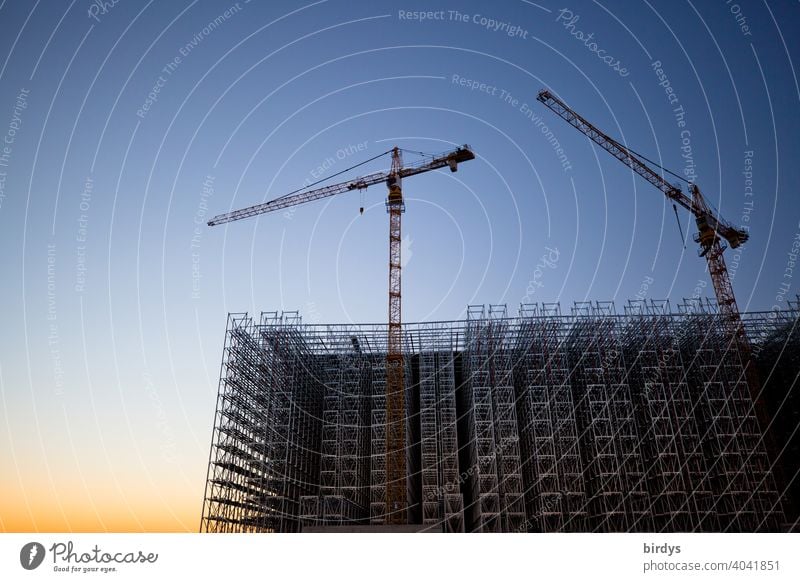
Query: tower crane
x=711 y=231
x=395 y=206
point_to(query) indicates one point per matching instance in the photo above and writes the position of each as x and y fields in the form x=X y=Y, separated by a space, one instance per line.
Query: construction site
x=594 y=420
x=643 y=417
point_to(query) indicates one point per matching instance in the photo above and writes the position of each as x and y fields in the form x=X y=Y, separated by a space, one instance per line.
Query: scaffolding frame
x=589 y=421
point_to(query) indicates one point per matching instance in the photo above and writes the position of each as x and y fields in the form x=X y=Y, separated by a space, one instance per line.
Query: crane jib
x=696 y=205
x=449 y=159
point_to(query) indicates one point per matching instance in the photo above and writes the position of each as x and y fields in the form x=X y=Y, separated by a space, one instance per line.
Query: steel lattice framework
x=589 y=421
x=395 y=495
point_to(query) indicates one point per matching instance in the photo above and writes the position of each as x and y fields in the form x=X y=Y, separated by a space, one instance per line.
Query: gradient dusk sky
x=127 y=124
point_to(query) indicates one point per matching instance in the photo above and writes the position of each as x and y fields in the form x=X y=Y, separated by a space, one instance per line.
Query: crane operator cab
x=395 y=197
x=395 y=193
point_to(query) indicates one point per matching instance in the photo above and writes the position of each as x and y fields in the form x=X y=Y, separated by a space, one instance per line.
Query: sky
x=127 y=124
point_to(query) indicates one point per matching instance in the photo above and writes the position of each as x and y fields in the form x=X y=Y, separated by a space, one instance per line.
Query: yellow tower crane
x=395 y=206
x=712 y=230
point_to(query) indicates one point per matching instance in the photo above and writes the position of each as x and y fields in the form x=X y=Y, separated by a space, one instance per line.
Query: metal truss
x=594 y=420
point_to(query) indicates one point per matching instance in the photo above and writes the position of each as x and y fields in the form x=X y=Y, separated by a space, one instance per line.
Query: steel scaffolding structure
x=266 y=434
x=672 y=447
x=777 y=353
x=377 y=511
x=553 y=471
x=544 y=422
x=494 y=494
x=442 y=502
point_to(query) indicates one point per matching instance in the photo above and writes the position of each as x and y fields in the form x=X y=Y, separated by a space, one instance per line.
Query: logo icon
x=31 y=555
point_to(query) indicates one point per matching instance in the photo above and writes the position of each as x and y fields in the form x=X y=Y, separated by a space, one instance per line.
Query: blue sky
x=115 y=294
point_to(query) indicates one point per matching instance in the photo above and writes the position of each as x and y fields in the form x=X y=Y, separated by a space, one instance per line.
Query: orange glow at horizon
x=74 y=510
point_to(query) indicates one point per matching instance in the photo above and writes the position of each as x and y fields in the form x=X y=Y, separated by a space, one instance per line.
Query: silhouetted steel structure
x=713 y=232
x=394 y=498
x=589 y=421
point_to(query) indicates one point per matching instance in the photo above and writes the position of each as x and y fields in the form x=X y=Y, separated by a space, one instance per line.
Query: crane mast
x=395 y=386
x=396 y=502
